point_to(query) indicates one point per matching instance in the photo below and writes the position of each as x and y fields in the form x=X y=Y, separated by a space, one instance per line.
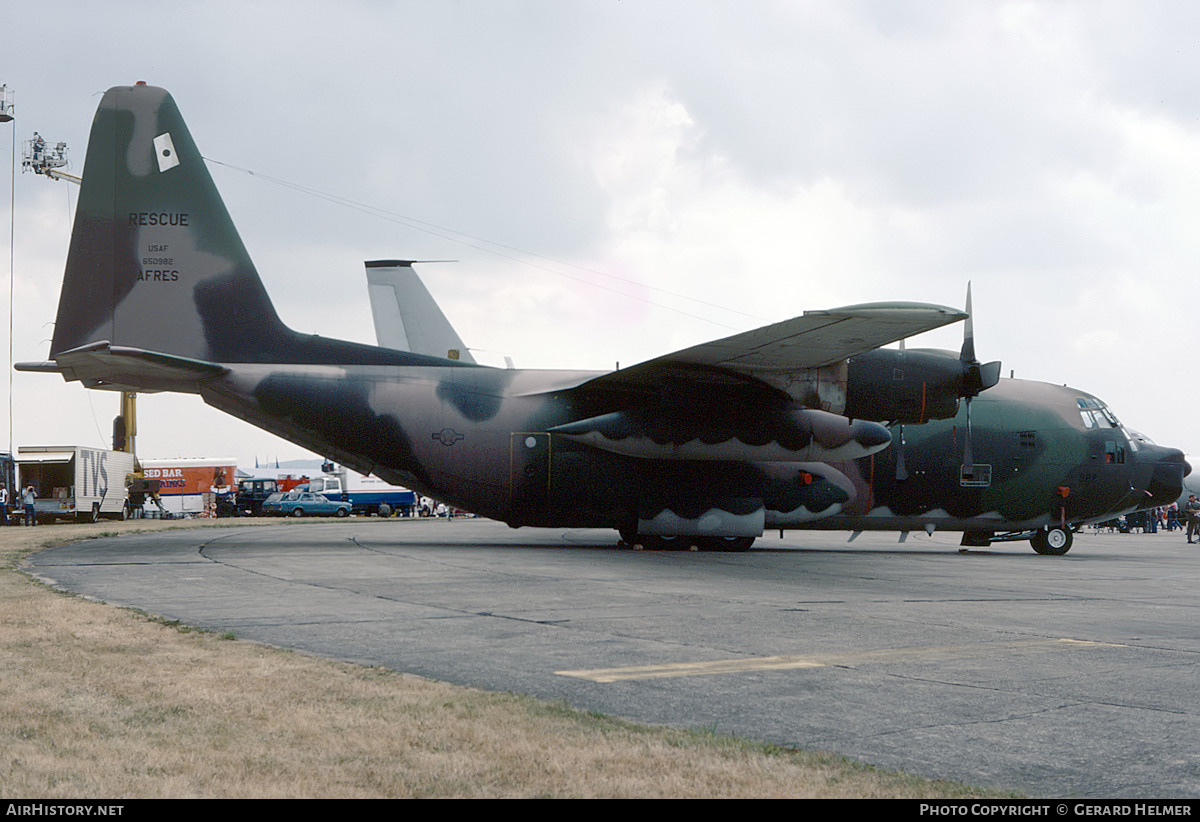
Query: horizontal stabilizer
x=117 y=368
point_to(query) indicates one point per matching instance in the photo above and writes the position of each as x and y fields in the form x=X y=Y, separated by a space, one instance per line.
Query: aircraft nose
x=1166 y=480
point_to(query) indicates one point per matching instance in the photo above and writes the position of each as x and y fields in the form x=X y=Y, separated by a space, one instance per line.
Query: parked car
x=304 y=504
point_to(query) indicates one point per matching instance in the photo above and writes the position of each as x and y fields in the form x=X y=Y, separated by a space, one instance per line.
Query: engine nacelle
x=910 y=386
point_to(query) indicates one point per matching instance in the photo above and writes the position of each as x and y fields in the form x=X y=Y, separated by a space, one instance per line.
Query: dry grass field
x=98 y=701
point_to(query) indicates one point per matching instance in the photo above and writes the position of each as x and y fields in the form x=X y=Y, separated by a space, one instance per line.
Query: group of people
x=427 y=507
x=27 y=497
x=1167 y=517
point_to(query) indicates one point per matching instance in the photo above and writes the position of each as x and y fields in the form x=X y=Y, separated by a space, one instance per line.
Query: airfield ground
x=99 y=701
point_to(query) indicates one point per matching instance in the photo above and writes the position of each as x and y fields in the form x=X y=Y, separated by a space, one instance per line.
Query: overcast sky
x=620 y=179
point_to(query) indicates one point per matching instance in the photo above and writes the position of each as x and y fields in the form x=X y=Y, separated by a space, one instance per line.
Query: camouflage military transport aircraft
x=780 y=427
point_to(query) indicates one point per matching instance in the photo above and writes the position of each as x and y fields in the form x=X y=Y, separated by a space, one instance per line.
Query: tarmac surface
x=1054 y=676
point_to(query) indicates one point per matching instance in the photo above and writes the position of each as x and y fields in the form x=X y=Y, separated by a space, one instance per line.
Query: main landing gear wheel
x=725 y=543
x=1055 y=541
x=663 y=543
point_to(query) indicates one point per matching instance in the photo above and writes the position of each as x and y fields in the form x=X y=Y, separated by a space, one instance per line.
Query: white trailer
x=74 y=482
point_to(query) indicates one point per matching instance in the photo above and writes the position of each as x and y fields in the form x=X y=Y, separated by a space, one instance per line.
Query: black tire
x=342 y=512
x=297 y=512
x=385 y=510
x=725 y=543
x=1053 y=541
x=664 y=543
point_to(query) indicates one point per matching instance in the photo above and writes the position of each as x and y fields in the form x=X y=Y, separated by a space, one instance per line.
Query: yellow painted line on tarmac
x=931 y=653
x=715 y=666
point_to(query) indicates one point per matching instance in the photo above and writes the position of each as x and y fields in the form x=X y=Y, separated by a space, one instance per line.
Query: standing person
x=137 y=499
x=1192 y=511
x=3 y=504
x=29 y=496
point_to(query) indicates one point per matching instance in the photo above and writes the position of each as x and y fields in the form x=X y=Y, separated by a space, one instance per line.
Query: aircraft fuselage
x=481 y=439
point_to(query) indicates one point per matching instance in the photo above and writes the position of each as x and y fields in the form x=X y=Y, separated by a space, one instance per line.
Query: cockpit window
x=1095 y=414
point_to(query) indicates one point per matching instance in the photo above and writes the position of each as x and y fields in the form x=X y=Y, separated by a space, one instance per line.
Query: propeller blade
x=968 y=346
x=976 y=376
x=989 y=375
x=968 y=458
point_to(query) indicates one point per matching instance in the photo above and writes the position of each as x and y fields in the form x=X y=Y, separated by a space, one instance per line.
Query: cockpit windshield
x=1095 y=414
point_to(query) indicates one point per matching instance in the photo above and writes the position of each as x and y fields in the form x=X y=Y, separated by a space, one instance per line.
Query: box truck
x=74 y=482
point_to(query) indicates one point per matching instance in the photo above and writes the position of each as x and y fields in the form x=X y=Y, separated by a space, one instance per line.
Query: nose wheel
x=1055 y=541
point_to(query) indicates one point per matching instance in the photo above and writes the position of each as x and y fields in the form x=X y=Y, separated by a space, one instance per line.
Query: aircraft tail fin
x=406 y=316
x=155 y=262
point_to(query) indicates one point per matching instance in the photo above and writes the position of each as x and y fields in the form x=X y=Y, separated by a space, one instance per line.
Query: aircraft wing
x=818 y=338
x=774 y=353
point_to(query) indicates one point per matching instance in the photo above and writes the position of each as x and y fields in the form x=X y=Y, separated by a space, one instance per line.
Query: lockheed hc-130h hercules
x=806 y=423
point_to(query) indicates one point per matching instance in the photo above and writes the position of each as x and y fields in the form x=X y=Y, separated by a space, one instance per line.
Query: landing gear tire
x=385 y=510
x=663 y=543
x=725 y=543
x=1054 y=541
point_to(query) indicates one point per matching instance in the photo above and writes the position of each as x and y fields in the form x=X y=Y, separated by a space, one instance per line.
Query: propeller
x=976 y=376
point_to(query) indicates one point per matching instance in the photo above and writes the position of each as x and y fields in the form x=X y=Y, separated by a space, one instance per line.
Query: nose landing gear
x=1055 y=540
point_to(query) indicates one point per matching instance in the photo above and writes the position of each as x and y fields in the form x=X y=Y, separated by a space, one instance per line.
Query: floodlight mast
x=48 y=160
